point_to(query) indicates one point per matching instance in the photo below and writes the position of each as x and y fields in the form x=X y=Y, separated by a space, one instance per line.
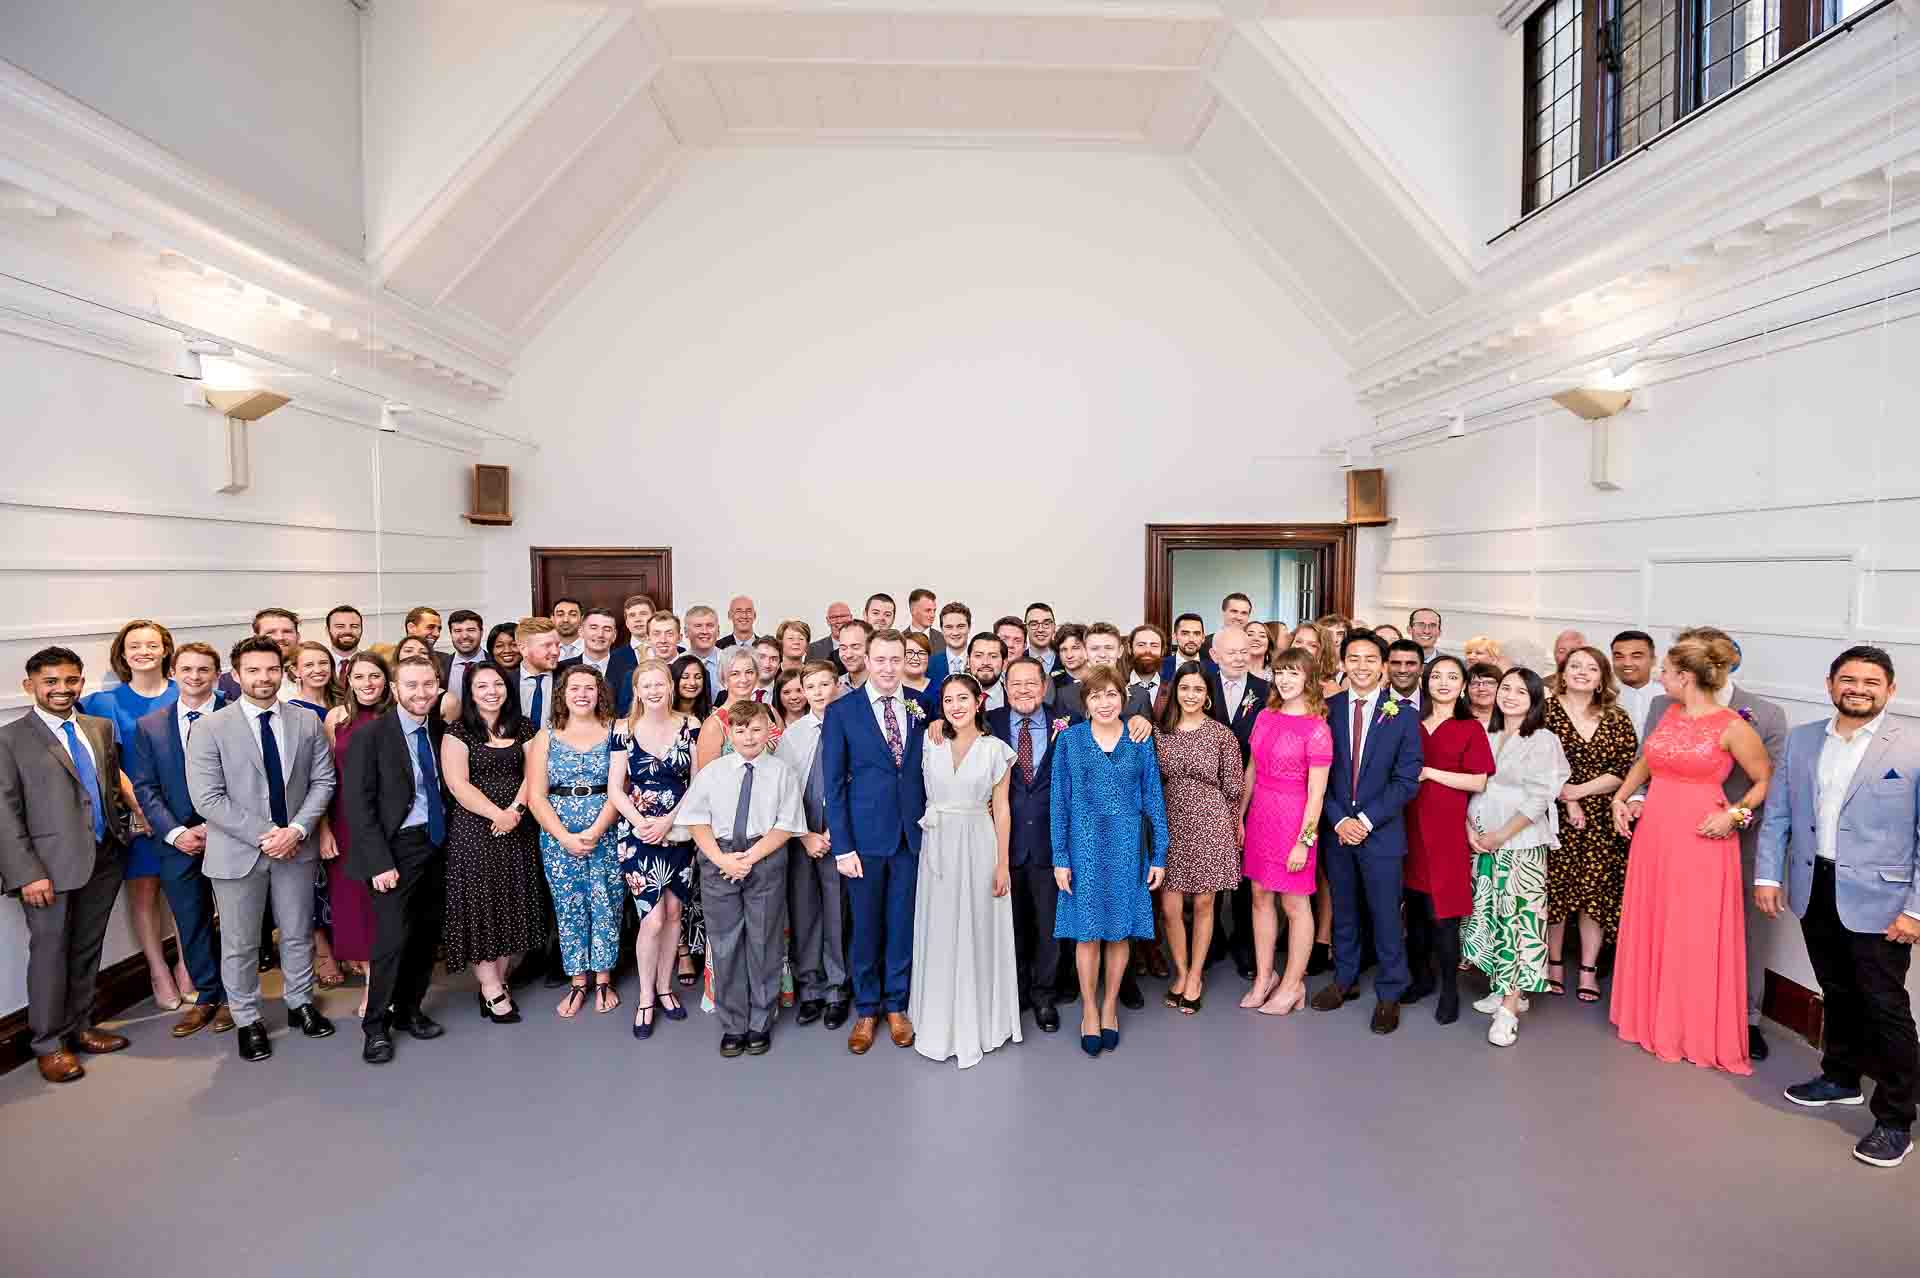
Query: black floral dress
x=1587 y=874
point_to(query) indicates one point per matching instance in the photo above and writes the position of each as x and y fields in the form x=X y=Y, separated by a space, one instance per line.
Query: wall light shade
x=245 y=405
x=1593 y=403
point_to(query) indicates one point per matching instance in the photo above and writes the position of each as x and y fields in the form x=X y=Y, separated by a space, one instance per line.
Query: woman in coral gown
x=1680 y=978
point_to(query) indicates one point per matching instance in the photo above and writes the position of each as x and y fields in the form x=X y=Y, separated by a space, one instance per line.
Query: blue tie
x=276 y=779
x=539 y=703
x=193 y=716
x=83 y=764
x=436 y=812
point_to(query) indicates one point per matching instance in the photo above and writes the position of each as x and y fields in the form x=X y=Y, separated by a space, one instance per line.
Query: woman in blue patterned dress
x=1104 y=788
x=577 y=844
x=658 y=870
x=310 y=685
x=142 y=659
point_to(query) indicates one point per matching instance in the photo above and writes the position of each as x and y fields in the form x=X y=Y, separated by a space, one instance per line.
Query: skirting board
x=1791 y=1004
x=121 y=985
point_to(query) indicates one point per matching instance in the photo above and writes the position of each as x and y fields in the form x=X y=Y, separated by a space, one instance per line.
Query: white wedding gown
x=965 y=997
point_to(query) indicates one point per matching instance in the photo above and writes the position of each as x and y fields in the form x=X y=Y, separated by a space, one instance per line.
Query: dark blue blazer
x=1241 y=717
x=1173 y=660
x=157 y=766
x=1390 y=763
x=937 y=670
x=1031 y=806
x=620 y=667
x=873 y=806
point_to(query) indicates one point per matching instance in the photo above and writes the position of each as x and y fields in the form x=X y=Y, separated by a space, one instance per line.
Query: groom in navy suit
x=1375 y=772
x=875 y=797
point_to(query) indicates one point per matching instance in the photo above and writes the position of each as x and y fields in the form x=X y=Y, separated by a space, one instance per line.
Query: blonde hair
x=1487 y=644
x=1707 y=655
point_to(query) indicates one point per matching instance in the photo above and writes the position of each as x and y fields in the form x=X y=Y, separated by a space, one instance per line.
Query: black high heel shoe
x=675 y=1012
x=643 y=1029
x=489 y=1006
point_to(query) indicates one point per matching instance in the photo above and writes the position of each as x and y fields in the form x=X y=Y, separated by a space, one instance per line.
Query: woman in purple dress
x=369 y=695
x=1292 y=748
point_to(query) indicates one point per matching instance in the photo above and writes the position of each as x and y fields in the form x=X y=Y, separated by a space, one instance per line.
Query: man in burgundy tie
x=344 y=627
x=875 y=797
x=1375 y=773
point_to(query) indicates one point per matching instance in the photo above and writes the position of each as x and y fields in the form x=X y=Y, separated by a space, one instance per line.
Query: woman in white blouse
x=1510 y=826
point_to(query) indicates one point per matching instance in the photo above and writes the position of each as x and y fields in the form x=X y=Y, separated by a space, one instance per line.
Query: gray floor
x=1226 y=1138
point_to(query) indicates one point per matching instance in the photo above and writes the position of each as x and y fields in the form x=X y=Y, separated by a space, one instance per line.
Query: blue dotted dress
x=1109 y=828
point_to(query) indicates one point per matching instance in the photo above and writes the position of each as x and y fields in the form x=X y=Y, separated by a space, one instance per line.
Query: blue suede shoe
x=1821 y=1090
x=1090 y=1044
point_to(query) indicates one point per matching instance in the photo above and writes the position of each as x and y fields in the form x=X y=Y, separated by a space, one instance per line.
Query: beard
x=1145 y=664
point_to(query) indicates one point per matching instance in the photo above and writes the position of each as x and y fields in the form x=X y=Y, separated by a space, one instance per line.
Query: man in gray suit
x=1770 y=721
x=261 y=774
x=1842 y=832
x=62 y=852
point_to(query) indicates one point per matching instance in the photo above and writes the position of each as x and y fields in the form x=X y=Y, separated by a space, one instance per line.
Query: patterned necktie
x=1359 y=735
x=894 y=743
x=193 y=717
x=737 y=841
x=1023 y=755
x=89 y=779
x=430 y=780
x=276 y=778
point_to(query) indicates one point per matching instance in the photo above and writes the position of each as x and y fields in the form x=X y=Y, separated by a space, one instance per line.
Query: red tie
x=1024 y=755
x=1359 y=734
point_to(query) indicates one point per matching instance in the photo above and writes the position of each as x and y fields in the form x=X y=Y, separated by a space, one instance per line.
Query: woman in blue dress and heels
x=142 y=659
x=1105 y=796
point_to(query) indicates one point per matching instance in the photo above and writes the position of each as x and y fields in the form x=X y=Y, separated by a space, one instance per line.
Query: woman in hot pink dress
x=1292 y=748
x=1680 y=977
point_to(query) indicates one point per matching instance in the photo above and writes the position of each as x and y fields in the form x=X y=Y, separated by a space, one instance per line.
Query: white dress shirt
x=279 y=727
x=597 y=663
x=715 y=793
x=528 y=682
x=1636 y=702
x=898 y=709
x=799 y=741
x=1231 y=691
x=57 y=728
x=180 y=712
x=572 y=649
x=457 y=668
x=1369 y=703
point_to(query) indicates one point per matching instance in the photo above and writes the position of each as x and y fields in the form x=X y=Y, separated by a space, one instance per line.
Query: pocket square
x=1891 y=775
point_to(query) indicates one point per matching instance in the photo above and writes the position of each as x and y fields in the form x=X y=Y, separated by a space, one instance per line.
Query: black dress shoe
x=419 y=1024
x=253 y=1042
x=837 y=1014
x=809 y=1011
x=1047 y=1017
x=309 y=1021
x=731 y=1045
x=1130 y=996
x=1449 y=1009
x=379 y=1046
x=1320 y=960
x=759 y=1042
x=1756 y=1043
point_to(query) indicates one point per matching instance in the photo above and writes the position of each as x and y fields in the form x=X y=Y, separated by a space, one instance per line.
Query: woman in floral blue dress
x=576 y=811
x=1105 y=789
x=658 y=870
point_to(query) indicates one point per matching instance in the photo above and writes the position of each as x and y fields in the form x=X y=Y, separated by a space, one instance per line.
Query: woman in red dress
x=1680 y=976
x=1439 y=869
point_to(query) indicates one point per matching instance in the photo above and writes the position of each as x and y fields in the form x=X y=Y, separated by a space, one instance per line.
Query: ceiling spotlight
x=1457 y=424
x=187 y=366
x=390 y=415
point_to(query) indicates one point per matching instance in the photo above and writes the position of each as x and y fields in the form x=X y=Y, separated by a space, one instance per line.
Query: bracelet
x=1742 y=817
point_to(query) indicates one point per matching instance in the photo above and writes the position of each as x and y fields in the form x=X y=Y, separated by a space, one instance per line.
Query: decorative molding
x=56 y=565
x=1682 y=512
x=120 y=505
x=107 y=627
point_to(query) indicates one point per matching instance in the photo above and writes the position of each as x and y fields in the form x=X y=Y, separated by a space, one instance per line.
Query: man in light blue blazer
x=1840 y=842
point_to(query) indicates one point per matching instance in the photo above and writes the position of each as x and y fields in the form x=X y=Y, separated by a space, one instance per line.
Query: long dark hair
x=511 y=716
x=351 y=699
x=1170 y=713
x=972 y=685
x=702 y=705
x=1461 y=710
x=493 y=636
x=1536 y=715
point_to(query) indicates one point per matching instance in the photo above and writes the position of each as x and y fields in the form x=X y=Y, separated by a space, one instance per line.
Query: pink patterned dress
x=1680 y=978
x=1285 y=747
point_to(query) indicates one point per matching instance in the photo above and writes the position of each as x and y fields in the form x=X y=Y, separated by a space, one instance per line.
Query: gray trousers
x=63 y=953
x=242 y=901
x=746 y=922
x=819 y=927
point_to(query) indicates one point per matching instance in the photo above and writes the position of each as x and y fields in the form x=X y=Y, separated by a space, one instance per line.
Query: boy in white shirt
x=813 y=879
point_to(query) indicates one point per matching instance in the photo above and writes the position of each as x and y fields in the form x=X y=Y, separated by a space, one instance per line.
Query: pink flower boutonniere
x=1059 y=726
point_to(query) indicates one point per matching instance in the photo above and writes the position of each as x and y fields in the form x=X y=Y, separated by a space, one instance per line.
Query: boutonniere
x=1059 y=726
x=916 y=712
x=1746 y=712
x=1389 y=708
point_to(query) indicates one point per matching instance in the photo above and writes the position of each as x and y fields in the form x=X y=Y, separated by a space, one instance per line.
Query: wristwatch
x=521 y=808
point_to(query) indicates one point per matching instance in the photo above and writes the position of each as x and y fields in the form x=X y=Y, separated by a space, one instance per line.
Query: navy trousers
x=190 y=897
x=1366 y=881
x=881 y=955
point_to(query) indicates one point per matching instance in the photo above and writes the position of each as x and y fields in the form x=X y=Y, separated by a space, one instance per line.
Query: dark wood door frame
x=536 y=555
x=1331 y=544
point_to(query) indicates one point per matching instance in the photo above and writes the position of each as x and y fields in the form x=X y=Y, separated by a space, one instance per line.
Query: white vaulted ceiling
x=607 y=103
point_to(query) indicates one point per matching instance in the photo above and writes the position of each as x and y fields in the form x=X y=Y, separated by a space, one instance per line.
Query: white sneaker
x=1491 y=1004
x=1504 y=1030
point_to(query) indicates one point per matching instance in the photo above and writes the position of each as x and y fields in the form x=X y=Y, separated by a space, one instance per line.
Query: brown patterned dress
x=1201 y=774
x=1588 y=874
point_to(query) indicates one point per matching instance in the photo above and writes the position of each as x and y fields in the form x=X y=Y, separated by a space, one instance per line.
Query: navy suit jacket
x=157 y=766
x=1241 y=717
x=873 y=805
x=1390 y=763
x=1173 y=661
x=620 y=667
x=1030 y=806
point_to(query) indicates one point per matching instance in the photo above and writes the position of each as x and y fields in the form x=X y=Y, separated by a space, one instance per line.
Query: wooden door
x=1330 y=572
x=601 y=575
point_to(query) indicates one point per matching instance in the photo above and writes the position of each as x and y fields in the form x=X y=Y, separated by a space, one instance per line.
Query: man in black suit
x=467 y=630
x=1237 y=698
x=423 y=623
x=1024 y=724
x=598 y=629
x=826 y=648
x=1406 y=663
x=397 y=810
x=1189 y=644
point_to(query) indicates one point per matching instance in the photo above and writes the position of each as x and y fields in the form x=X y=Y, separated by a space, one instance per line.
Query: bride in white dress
x=965 y=999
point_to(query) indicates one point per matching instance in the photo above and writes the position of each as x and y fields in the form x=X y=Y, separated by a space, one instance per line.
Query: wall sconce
x=232 y=469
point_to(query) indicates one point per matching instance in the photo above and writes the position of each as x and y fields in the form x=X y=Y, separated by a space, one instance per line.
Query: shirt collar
x=1867 y=729
x=205 y=707
x=408 y=724
x=254 y=712
x=54 y=722
x=874 y=694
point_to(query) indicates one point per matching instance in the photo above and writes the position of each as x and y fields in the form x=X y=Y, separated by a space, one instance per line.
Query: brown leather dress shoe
x=1386 y=1016
x=60 y=1067
x=97 y=1042
x=860 y=1037
x=901 y=1028
x=1332 y=998
x=222 y=1020
x=196 y=1018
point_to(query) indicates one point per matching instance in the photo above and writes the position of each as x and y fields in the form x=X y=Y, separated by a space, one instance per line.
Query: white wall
x=264 y=95
x=442 y=76
x=1777 y=497
x=820 y=373
x=106 y=513
x=1432 y=95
